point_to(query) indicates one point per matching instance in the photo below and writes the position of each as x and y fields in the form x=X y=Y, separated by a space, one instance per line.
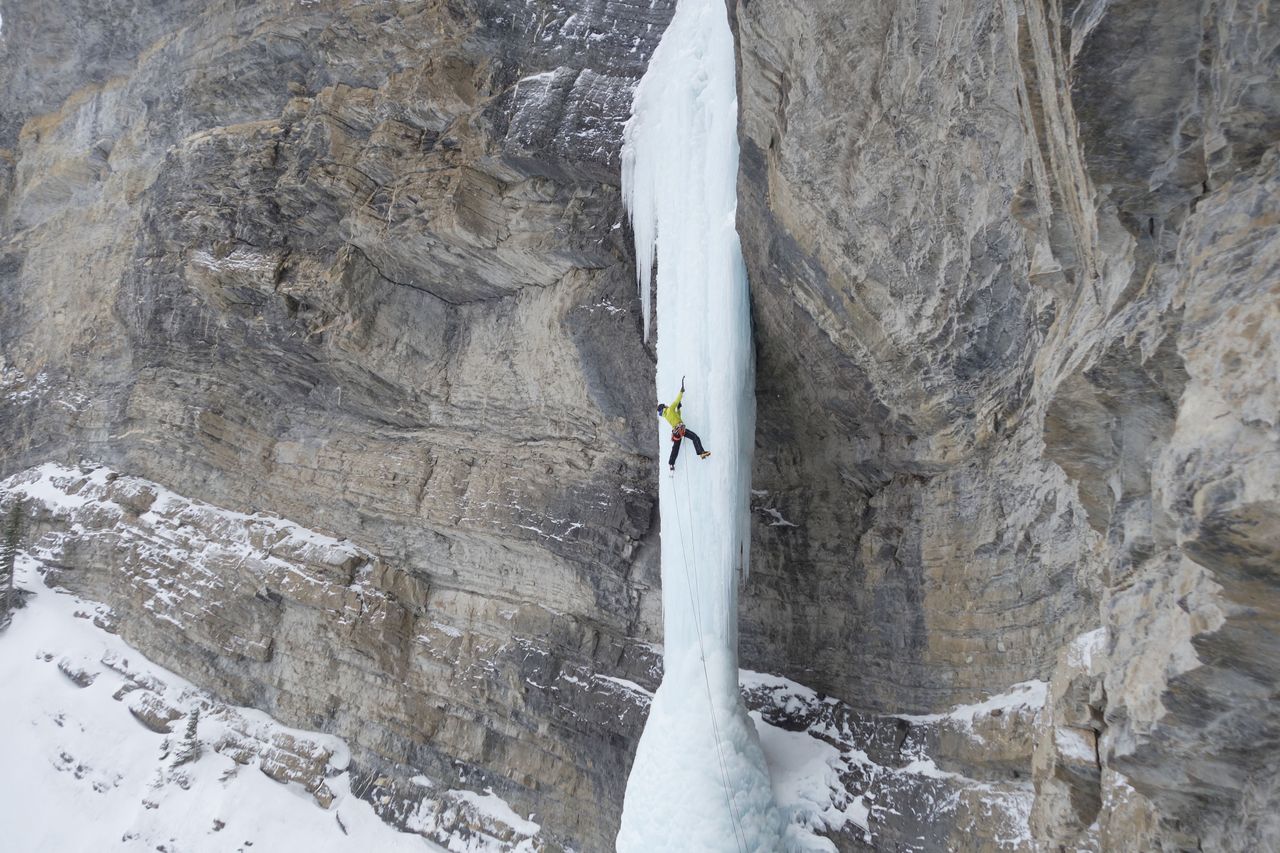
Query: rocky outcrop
x=322 y=632
x=364 y=266
x=952 y=781
x=1014 y=272
x=361 y=266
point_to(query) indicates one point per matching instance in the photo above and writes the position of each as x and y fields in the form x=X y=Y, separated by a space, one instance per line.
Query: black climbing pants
x=675 y=444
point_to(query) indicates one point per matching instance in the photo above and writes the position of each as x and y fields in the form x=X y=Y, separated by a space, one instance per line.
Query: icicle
x=699 y=781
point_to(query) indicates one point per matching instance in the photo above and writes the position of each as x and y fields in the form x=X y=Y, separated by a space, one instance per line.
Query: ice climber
x=678 y=430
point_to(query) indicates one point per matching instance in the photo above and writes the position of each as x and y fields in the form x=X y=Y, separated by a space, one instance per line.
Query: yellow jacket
x=672 y=413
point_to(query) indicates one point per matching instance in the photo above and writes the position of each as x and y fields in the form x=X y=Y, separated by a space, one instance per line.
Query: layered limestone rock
x=361 y=266
x=1015 y=267
x=320 y=631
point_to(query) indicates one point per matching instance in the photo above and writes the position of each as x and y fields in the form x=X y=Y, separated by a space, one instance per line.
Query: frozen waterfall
x=699 y=781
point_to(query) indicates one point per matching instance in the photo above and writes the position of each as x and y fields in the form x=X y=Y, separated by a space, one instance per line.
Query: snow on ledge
x=181 y=548
x=494 y=807
x=65 y=488
x=828 y=785
x=1026 y=695
x=1084 y=648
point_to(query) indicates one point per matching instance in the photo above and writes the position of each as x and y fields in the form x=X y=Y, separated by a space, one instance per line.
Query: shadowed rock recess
x=1015 y=270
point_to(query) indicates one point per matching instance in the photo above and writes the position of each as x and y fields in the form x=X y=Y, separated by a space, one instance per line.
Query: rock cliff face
x=1015 y=275
x=1016 y=282
x=361 y=266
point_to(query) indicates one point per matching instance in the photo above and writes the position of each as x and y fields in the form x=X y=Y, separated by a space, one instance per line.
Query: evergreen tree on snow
x=189 y=749
x=9 y=598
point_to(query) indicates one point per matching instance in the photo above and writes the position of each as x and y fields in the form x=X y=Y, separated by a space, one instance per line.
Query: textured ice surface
x=699 y=781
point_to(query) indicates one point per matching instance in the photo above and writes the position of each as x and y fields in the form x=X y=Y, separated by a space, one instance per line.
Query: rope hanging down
x=739 y=836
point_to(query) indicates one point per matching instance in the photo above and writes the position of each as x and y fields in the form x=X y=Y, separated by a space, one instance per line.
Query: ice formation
x=699 y=781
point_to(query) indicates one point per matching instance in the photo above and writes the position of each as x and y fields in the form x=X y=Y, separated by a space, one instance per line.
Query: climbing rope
x=739 y=836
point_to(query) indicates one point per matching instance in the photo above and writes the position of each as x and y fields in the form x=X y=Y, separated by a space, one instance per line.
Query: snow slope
x=699 y=781
x=83 y=734
x=83 y=774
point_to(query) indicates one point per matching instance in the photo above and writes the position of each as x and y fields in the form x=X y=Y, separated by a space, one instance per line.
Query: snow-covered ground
x=89 y=767
x=83 y=773
x=805 y=772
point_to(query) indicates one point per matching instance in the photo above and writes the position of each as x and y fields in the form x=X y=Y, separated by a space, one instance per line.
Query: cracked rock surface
x=1014 y=266
x=363 y=266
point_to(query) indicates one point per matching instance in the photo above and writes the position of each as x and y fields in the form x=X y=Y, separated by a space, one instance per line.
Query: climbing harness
x=677 y=433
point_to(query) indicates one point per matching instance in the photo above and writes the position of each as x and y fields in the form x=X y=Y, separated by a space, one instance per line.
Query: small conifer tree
x=8 y=561
x=189 y=749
